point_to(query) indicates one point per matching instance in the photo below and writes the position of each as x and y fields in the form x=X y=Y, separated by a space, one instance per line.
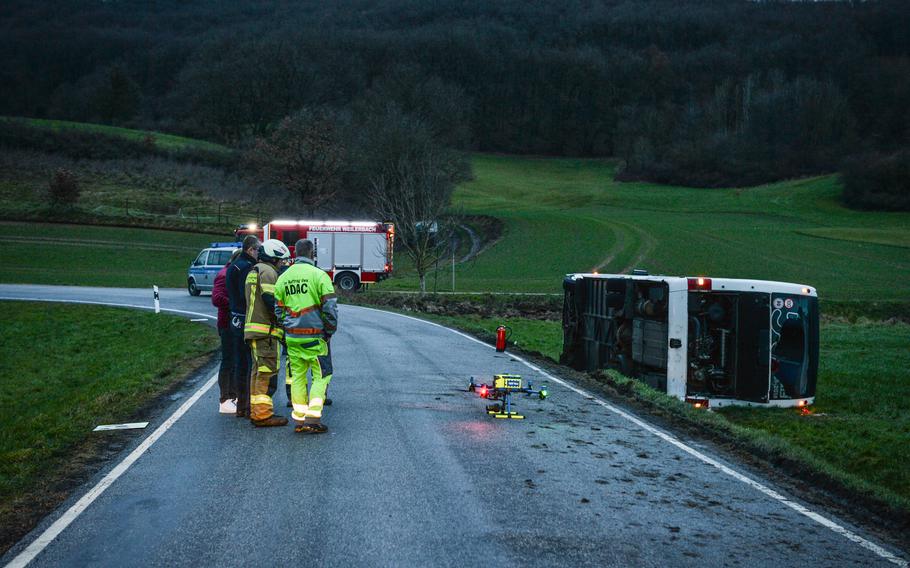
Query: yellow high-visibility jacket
x=305 y=302
x=260 y=303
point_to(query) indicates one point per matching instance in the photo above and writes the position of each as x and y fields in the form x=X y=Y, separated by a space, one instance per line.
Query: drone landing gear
x=504 y=410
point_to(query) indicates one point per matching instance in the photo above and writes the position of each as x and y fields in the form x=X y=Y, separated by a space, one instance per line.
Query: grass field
x=896 y=237
x=566 y=215
x=39 y=253
x=66 y=369
x=859 y=428
x=161 y=140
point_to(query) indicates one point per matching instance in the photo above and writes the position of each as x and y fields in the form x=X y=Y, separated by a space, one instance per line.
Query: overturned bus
x=709 y=341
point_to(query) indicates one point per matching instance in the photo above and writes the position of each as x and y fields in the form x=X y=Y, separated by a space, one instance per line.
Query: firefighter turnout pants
x=309 y=355
x=266 y=356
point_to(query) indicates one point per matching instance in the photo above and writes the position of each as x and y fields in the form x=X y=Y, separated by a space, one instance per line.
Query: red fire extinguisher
x=502 y=335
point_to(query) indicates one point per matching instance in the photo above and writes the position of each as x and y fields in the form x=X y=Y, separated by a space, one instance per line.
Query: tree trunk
x=423 y=283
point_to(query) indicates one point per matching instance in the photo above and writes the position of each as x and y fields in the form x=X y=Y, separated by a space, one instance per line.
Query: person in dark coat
x=227 y=381
x=235 y=280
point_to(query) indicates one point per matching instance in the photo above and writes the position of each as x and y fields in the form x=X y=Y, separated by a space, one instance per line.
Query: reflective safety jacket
x=260 y=303
x=305 y=302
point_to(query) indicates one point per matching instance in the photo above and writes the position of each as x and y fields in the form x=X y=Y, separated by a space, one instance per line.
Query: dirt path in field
x=618 y=247
x=475 y=244
x=644 y=248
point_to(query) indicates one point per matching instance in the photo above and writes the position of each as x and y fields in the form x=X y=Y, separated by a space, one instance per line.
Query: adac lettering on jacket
x=296 y=287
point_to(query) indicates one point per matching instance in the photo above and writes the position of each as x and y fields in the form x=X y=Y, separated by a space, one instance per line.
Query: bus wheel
x=347 y=282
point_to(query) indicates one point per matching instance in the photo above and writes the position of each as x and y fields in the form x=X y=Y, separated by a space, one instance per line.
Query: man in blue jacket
x=235 y=280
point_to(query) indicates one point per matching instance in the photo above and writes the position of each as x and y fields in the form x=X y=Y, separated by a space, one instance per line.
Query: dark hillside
x=706 y=92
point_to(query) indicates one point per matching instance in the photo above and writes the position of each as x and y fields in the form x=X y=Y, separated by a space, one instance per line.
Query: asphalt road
x=414 y=473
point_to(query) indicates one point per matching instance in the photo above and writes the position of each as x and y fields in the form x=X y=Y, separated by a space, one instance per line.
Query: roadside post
x=157 y=301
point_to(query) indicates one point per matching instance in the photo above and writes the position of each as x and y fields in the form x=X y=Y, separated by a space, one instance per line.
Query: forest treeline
x=702 y=92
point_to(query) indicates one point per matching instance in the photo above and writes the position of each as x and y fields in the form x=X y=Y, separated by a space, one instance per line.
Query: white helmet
x=272 y=250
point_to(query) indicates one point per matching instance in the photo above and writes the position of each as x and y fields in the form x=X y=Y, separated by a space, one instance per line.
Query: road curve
x=414 y=473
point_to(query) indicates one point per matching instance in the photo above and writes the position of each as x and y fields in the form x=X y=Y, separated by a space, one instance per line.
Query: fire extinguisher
x=503 y=333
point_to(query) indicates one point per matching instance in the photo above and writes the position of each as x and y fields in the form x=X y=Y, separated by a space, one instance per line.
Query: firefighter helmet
x=273 y=250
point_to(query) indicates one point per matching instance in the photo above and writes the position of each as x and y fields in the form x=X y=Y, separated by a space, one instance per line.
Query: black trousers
x=243 y=360
x=227 y=380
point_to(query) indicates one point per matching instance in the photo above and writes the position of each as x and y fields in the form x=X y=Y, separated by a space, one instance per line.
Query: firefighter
x=263 y=333
x=306 y=306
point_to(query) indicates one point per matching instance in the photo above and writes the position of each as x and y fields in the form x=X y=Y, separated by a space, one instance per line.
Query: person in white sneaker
x=228 y=397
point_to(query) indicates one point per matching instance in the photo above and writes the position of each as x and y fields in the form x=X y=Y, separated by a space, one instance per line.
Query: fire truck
x=354 y=253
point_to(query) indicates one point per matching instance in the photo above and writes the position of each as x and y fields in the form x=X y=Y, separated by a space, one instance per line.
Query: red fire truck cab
x=352 y=252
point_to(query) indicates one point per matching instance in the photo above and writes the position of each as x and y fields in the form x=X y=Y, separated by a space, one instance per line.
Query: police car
x=201 y=274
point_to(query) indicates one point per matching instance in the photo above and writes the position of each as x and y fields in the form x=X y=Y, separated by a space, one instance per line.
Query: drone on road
x=502 y=389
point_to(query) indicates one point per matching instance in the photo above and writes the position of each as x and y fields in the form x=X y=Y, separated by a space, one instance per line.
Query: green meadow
x=161 y=140
x=569 y=215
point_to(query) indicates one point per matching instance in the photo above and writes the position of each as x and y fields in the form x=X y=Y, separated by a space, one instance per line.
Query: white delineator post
x=157 y=301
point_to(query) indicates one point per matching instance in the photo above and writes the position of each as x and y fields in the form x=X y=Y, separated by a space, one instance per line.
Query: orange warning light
x=700 y=283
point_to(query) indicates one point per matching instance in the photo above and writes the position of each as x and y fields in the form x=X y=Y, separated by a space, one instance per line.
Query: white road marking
x=127 y=426
x=48 y=536
x=199 y=319
x=203 y=316
x=824 y=521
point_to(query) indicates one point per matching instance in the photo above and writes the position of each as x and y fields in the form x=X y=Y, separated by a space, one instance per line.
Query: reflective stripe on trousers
x=314 y=356
x=266 y=354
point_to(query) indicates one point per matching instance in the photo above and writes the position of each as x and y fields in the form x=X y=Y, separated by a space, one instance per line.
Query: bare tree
x=303 y=155
x=414 y=192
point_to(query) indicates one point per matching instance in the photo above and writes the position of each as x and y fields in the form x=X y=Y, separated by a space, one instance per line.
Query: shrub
x=64 y=189
x=877 y=181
